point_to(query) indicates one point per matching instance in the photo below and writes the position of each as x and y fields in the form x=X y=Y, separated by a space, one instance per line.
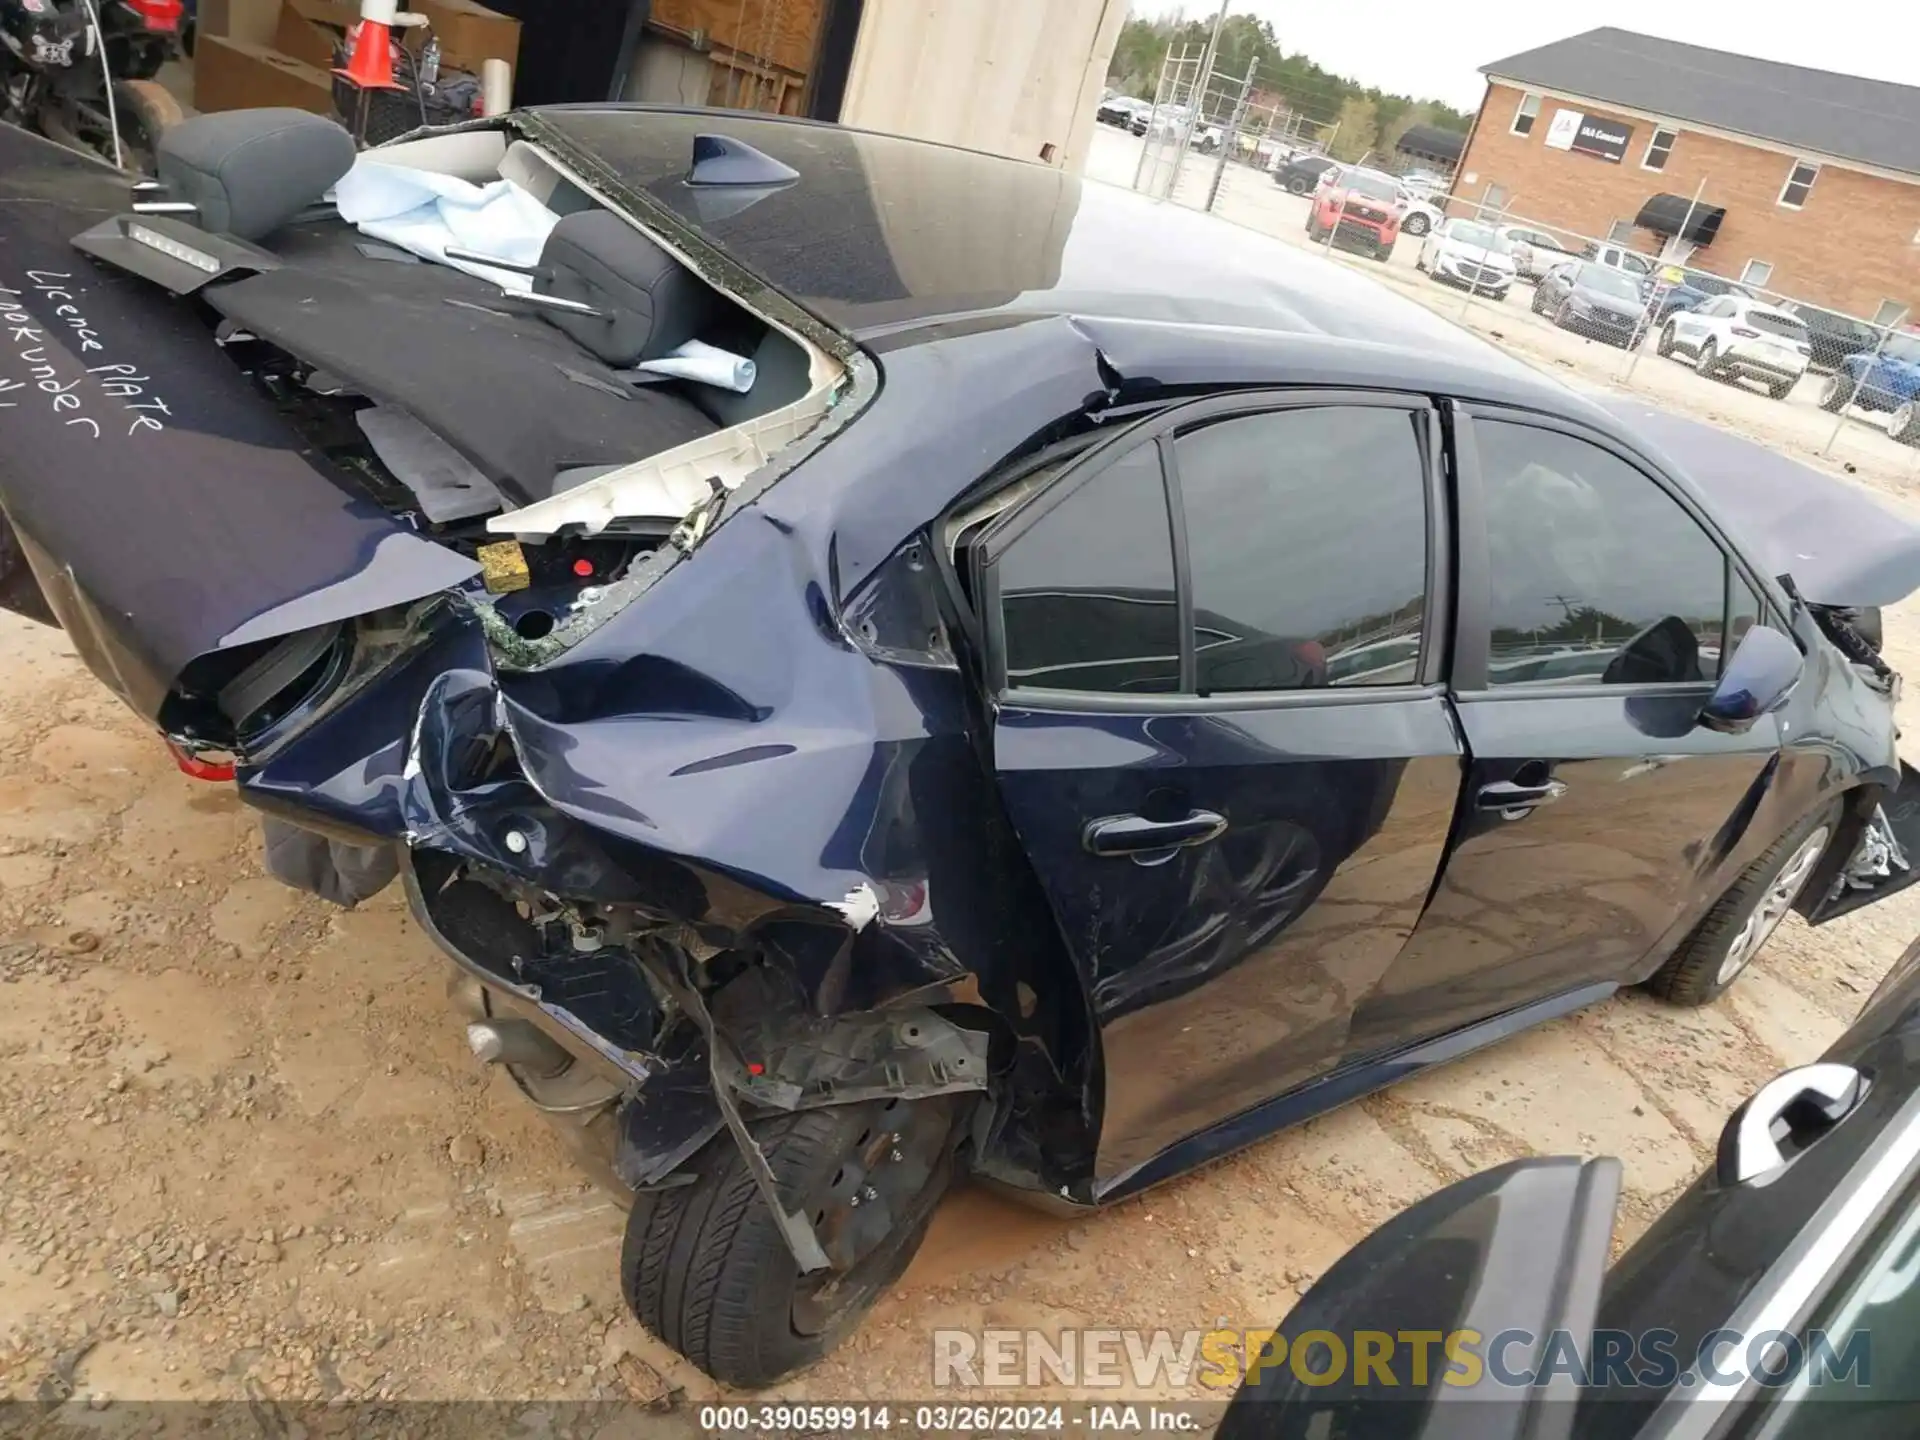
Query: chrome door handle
x=1514 y=800
x=1151 y=840
x=1824 y=1093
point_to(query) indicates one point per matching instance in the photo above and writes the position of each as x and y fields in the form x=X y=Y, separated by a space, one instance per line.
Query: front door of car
x=1594 y=608
x=1220 y=737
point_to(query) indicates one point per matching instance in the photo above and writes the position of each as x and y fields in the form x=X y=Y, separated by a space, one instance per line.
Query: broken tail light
x=197 y=766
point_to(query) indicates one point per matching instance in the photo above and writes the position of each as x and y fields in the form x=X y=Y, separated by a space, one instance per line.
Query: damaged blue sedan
x=879 y=663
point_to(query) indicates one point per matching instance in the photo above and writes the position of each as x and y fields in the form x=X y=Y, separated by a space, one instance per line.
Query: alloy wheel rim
x=1901 y=420
x=1775 y=902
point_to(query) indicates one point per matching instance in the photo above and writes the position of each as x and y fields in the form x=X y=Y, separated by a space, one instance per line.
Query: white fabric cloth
x=423 y=213
x=707 y=364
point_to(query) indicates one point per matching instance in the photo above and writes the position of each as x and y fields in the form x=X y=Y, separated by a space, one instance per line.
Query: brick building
x=1811 y=179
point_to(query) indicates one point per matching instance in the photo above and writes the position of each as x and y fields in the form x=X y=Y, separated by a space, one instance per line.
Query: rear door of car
x=1233 y=777
x=1594 y=605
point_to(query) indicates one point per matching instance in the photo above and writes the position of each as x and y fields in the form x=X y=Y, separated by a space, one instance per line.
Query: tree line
x=1369 y=118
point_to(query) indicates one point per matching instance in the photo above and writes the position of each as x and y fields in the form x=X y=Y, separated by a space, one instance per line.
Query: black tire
x=1664 y=345
x=1904 y=423
x=1299 y=185
x=1560 y=314
x=1534 y=304
x=1417 y=224
x=146 y=112
x=1703 y=967
x=1709 y=362
x=1383 y=253
x=1833 y=394
x=704 y=1266
x=1780 y=389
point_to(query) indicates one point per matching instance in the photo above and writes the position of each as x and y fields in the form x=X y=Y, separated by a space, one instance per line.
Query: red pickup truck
x=1359 y=208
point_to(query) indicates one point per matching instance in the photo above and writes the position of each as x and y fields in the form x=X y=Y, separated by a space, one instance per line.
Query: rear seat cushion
x=251 y=171
x=655 y=303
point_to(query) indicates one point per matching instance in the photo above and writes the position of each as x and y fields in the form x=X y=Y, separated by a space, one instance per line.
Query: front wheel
x=1904 y=424
x=1742 y=920
x=705 y=1266
x=1709 y=363
x=1835 y=393
x=1780 y=389
x=1664 y=345
x=1417 y=225
x=1297 y=186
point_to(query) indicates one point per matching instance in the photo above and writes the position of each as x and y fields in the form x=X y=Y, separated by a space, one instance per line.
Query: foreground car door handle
x=1140 y=837
x=1513 y=800
x=1799 y=1106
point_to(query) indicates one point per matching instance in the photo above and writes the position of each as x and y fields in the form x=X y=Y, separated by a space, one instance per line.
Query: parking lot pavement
x=244 y=1151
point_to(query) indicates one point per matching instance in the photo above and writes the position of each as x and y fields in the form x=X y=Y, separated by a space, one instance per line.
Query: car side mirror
x=1756 y=681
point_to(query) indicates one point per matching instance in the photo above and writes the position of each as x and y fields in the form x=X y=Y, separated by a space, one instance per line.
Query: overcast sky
x=1436 y=50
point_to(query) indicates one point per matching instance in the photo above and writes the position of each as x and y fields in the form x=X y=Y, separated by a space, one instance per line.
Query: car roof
x=884 y=237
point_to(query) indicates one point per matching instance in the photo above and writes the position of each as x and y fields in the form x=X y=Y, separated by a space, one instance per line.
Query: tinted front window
x=1307 y=532
x=1481 y=235
x=1595 y=573
x=1087 y=594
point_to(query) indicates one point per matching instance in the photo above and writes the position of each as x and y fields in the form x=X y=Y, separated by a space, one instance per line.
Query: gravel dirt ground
x=244 y=1153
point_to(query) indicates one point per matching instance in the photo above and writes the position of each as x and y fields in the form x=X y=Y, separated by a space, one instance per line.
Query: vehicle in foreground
x=1735 y=338
x=1535 y=252
x=1358 y=210
x=1077 y=758
x=1593 y=300
x=1689 y=290
x=1834 y=336
x=1778 y=1296
x=1301 y=173
x=1470 y=255
x=1884 y=382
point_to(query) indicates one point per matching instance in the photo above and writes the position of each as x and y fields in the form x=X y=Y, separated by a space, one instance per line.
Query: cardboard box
x=248 y=20
x=309 y=29
x=234 y=75
x=470 y=33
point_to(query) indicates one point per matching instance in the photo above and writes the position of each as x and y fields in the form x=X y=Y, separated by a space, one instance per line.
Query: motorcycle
x=55 y=78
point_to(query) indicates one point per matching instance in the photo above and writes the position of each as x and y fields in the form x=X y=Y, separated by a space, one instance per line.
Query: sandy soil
x=243 y=1151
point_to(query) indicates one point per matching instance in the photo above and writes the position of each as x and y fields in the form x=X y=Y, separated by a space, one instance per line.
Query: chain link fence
x=1629 y=309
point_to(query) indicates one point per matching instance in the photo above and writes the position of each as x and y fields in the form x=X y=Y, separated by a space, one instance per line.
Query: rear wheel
x=1417 y=224
x=1904 y=424
x=1664 y=345
x=1742 y=920
x=1298 y=185
x=705 y=1266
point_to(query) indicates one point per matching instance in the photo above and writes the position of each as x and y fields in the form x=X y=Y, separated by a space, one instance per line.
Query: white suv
x=1733 y=336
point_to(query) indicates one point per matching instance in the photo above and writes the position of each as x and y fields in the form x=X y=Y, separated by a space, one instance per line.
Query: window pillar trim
x=1182 y=562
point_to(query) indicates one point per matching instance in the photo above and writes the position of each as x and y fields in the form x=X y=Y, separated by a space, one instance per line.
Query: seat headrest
x=655 y=303
x=251 y=171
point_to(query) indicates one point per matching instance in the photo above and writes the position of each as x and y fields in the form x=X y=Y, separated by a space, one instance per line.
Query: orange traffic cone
x=369 y=54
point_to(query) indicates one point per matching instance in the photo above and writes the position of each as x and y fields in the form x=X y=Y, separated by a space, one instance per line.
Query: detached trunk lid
x=166 y=510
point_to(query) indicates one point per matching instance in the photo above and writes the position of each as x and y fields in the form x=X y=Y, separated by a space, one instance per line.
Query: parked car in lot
x=1300 y=174
x=1617 y=257
x=1834 y=336
x=1359 y=209
x=1777 y=1296
x=1120 y=110
x=1593 y=300
x=1534 y=251
x=1419 y=215
x=1733 y=337
x=1886 y=383
x=1471 y=255
x=1690 y=291
x=823 y=788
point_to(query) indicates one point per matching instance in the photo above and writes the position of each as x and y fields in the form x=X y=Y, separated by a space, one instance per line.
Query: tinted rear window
x=1768 y=324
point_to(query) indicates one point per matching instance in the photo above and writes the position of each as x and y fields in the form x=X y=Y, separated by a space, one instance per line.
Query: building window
x=1621 y=232
x=1495 y=201
x=1758 y=272
x=1890 y=313
x=1528 y=112
x=1799 y=184
x=1659 y=147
